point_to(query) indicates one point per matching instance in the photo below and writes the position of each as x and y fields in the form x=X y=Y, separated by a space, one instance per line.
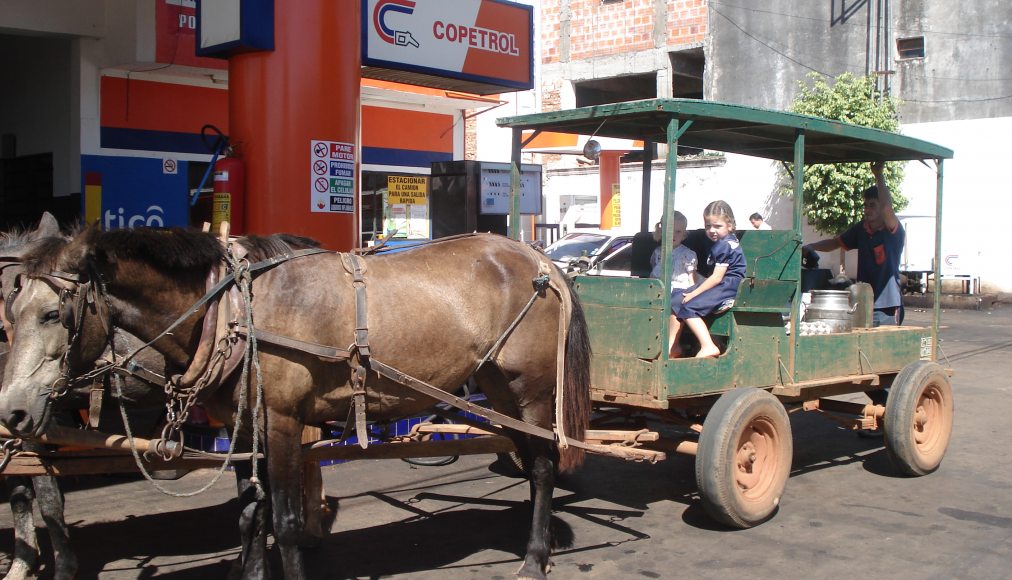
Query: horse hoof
x=19 y=571
x=532 y=572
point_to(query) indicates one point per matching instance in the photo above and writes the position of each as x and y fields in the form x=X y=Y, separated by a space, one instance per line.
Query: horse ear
x=48 y=227
x=80 y=250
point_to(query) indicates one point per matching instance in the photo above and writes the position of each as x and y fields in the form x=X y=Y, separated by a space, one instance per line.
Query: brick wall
x=597 y=29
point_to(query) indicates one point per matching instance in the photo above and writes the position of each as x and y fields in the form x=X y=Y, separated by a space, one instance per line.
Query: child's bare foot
x=708 y=352
x=676 y=353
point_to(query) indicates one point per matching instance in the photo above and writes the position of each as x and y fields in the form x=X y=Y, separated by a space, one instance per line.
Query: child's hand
x=687 y=296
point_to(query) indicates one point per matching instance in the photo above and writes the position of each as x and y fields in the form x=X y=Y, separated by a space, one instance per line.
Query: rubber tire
x=917 y=449
x=439 y=460
x=739 y=420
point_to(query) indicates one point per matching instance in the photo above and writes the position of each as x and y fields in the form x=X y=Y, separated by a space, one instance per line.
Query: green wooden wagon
x=738 y=403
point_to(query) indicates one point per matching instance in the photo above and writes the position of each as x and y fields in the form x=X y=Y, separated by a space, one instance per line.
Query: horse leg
x=542 y=458
x=253 y=524
x=315 y=501
x=50 y=498
x=285 y=472
x=26 y=545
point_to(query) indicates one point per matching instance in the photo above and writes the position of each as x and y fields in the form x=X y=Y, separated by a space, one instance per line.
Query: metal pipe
x=799 y=199
x=937 y=306
x=648 y=157
x=514 y=227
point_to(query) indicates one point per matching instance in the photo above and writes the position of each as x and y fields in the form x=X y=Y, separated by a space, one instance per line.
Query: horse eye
x=51 y=316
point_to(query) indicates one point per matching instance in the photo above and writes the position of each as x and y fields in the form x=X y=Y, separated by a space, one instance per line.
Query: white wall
x=977 y=204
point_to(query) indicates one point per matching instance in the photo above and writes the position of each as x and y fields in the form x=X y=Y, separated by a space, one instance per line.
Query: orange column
x=283 y=102
x=611 y=201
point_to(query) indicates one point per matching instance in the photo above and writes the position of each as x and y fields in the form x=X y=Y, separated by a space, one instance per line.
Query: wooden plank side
x=645 y=293
x=625 y=379
x=759 y=344
x=827 y=355
x=889 y=349
x=694 y=376
x=629 y=332
x=771 y=254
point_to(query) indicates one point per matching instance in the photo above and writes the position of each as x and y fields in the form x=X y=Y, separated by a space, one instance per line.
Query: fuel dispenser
x=469 y=196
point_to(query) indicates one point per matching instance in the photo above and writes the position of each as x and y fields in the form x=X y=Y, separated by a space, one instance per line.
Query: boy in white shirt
x=683 y=260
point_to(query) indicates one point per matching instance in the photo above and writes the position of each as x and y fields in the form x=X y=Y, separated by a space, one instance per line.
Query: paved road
x=845 y=513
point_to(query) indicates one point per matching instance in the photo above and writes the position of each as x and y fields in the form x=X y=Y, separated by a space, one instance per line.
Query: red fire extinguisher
x=228 y=202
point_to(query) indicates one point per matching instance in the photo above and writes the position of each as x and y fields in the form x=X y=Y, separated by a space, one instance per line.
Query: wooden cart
x=735 y=407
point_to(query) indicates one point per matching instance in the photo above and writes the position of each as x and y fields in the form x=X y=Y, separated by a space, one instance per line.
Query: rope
x=560 y=366
x=243 y=279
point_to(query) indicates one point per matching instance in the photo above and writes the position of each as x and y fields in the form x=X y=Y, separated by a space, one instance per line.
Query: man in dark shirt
x=878 y=239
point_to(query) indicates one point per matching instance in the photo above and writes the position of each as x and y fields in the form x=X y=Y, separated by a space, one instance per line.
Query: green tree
x=833 y=191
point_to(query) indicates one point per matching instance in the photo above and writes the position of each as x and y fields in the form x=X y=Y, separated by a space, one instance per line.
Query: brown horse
x=143 y=401
x=440 y=313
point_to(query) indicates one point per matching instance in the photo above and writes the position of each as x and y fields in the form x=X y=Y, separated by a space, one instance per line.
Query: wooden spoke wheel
x=744 y=457
x=918 y=418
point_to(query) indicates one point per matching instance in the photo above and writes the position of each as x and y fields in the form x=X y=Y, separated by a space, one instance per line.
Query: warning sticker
x=332 y=175
x=407 y=189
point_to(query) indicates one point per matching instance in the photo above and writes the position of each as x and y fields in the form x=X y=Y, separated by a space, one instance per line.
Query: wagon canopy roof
x=734 y=129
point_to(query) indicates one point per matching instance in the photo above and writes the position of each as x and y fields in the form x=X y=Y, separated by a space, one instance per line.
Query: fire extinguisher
x=229 y=193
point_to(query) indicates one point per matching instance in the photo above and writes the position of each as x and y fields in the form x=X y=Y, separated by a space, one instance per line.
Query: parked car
x=584 y=249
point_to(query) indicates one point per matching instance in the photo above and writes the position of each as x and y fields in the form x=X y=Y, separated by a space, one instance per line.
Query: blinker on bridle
x=73 y=303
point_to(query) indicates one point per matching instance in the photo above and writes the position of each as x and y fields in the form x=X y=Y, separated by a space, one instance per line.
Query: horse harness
x=224 y=337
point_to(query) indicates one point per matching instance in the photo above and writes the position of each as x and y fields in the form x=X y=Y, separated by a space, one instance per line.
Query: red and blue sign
x=486 y=42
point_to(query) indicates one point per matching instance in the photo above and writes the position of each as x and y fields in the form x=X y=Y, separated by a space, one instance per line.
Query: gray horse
x=144 y=401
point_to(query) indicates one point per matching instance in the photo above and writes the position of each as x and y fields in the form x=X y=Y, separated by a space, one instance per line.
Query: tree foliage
x=833 y=191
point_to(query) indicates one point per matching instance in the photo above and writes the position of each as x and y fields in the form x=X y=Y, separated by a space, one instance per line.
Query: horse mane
x=172 y=249
x=43 y=255
x=13 y=239
x=263 y=247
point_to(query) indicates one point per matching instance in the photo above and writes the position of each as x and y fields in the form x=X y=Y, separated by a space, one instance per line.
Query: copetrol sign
x=489 y=42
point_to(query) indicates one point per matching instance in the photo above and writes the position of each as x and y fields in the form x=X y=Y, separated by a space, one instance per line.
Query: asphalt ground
x=846 y=512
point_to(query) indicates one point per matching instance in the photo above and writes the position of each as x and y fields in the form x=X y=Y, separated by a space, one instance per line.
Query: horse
x=142 y=395
x=145 y=408
x=24 y=491
x=480 y=306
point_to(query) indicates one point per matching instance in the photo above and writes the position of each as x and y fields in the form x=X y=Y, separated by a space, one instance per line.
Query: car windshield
x=576 y=245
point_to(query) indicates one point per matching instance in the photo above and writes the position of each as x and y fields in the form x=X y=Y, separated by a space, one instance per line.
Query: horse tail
x=576 y=383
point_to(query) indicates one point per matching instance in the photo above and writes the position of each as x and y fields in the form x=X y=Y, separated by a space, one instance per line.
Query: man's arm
x=826 y=245
x=885 y=198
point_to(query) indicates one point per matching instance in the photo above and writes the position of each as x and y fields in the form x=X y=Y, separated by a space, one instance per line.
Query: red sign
x=176 y=35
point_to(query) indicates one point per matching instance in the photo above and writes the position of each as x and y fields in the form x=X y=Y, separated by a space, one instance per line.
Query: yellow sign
x=616 y=206
x=404 y=189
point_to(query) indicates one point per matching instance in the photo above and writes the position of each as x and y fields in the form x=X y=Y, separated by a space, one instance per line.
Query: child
x=683 y=260
x=714 y=293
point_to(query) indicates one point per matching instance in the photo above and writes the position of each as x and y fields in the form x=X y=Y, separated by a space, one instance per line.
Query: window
x=616 y=89
x=687 y=67
x=910 y=47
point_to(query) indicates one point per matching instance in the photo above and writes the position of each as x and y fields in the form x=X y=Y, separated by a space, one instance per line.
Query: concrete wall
x=759 y=50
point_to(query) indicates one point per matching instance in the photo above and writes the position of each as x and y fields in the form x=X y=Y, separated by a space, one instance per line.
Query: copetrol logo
x=395 y=37
x=153 y=218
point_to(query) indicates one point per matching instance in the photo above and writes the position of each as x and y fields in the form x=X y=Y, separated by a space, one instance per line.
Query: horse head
x=57 y=322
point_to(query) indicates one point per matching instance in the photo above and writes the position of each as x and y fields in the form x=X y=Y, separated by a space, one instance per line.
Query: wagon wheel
x=918 y=418
x=744 y=457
